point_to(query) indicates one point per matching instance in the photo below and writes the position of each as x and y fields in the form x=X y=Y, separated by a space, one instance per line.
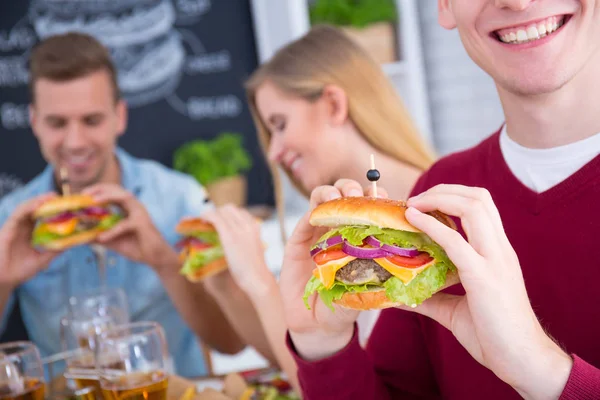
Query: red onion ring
x=364 y=252
x=332 y=241
x=401 y=251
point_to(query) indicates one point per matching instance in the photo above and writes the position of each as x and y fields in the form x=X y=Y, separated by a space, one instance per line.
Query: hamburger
x=68 y=221
x=373 y=258
x=200 y=249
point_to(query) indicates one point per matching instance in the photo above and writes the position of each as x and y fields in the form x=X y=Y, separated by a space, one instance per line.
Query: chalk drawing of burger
x=140 y=34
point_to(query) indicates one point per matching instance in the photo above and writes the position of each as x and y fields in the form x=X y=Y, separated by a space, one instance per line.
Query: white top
x=541 y=169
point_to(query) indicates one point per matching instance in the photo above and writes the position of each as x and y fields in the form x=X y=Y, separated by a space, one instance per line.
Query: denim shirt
x=168 y=195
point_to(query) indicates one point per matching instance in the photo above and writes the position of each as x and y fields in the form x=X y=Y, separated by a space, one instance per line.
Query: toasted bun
x=189 y=225
x=64 y=203
x=376 y=299
x=207 y=270
x=73 y=240
x=383 y=213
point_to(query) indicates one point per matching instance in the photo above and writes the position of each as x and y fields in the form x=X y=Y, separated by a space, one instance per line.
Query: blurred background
x=182 y=65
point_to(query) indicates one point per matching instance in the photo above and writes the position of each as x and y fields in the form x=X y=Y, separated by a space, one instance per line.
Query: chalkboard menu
x=181 y=65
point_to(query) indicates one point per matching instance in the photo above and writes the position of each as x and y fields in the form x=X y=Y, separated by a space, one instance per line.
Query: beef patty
x=361 y=271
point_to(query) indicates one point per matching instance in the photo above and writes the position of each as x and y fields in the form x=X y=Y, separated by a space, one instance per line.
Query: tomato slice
x=410 y=262
x=330 y=254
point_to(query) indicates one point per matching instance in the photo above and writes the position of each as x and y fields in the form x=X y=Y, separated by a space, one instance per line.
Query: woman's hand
x=239 y=233
x=494 y=321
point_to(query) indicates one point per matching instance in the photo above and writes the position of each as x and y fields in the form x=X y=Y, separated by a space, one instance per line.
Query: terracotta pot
x=228 y=190
x=378 y=39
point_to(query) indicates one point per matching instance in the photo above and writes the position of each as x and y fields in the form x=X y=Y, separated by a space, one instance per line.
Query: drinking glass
x=21 y=372
x=98 y=302
x=131 y=362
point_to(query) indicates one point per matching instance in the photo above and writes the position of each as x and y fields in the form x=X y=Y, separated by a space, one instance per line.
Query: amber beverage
x=34 y=390
x=137 y=386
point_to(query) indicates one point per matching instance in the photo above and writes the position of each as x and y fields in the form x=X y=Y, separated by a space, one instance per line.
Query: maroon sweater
x=555 y=234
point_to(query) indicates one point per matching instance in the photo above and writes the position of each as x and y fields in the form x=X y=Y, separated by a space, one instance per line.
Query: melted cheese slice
x=326 y=272
x=62 y=228
x=406 y=275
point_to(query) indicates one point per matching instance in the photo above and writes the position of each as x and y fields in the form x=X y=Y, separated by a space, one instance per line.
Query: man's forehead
x=92 y=88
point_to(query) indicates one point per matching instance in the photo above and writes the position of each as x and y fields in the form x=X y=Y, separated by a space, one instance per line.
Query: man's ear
x=445 y=14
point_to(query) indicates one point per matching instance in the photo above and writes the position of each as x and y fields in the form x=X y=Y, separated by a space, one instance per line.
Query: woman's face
x=305 y=136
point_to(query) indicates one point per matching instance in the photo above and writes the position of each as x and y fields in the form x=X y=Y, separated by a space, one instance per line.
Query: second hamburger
x=201 y=251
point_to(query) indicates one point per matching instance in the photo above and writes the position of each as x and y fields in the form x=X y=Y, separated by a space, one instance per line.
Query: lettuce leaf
x=109 y=221
x=417 y=291
x=198 y=260
x=42 y=236
x=207 y=237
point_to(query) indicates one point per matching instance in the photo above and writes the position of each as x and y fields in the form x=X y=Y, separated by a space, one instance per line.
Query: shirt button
x=112 y=262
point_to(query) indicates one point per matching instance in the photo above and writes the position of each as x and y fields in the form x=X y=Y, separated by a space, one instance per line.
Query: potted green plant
x=219 y=165
x=371 y=23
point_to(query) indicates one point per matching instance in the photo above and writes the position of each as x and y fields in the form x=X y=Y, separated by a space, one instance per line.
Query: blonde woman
x=321 y=106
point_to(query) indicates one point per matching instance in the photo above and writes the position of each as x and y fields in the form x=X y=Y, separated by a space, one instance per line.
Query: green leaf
x=200 y=259
x=356 y=13
x=207 y=237
x=418 y=290
x=109 y=221
x=211 y=160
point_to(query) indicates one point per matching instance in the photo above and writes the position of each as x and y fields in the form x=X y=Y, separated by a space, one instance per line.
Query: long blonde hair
x=325 y=55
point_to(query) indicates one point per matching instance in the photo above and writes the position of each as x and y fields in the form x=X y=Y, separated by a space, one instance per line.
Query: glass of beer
x=78 y=334
x=131 y=361
x=21 y=372
x=99 y=302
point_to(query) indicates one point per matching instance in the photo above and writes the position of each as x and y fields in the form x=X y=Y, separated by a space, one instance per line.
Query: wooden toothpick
x=64 y=181
x=373 y=175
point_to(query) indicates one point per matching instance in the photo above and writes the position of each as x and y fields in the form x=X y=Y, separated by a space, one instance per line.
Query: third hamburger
x=201 y=251
x=373 y=257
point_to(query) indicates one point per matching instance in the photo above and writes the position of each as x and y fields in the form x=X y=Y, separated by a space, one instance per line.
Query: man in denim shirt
x=77 y=116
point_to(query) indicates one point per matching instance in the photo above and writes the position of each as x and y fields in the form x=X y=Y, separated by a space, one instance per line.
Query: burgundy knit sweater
x=557 y=237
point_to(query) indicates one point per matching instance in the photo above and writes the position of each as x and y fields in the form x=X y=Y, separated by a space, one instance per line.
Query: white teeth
x=532 y=33
x=542 y=29
x=295 y=164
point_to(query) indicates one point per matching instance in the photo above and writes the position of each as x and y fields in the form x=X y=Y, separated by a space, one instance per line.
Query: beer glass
x=99 y=302
x=21 y=372
x=78 y=335
x=131 y=362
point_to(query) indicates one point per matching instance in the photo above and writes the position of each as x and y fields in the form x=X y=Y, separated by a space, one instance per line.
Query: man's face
x=77 y=124
x=529 y=47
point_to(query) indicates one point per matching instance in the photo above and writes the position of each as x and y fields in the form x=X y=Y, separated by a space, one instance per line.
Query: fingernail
x=412 y=211
x=354 y=193
x=414 y=198
x=333 y=196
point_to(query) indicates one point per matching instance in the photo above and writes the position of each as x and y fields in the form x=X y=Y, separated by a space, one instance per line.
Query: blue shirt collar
x=129 y=173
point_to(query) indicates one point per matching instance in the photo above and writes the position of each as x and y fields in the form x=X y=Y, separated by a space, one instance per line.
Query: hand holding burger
x=19 y=261
x=494 y=321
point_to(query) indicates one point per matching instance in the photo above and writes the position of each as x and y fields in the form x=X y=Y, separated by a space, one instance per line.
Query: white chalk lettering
x=209 y=63
x=13 y=71
x=195 y=7
x=17 y=39
x=228 y=106
x=14 y=116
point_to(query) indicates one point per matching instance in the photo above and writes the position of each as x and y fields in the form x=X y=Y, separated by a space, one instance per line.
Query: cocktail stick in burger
x=373 y=258
x=201 y=251
x=71 y=220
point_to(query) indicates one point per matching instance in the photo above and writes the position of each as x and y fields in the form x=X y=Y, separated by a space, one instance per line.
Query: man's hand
x=494 y=321
x=135 y=236
x=19 y=261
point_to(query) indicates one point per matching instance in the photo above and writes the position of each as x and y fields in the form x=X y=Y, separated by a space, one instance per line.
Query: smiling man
x=541 y=170
x=77 y=115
